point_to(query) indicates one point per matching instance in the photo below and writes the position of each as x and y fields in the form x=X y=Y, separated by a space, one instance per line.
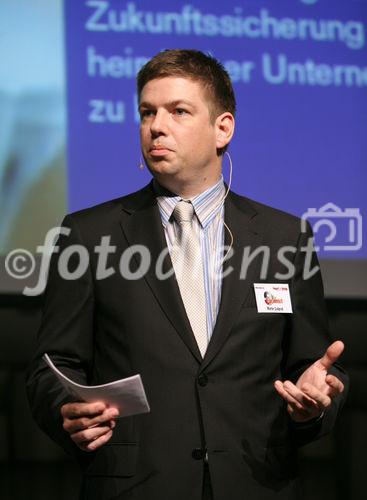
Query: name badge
x=273 y=298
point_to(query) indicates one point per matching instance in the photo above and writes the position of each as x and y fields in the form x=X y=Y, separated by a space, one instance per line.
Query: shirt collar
x=206 y=204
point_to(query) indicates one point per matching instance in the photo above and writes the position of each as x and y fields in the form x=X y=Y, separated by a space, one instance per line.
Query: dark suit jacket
x=224 y=405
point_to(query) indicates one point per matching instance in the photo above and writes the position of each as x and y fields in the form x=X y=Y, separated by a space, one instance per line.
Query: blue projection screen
x=300 y=74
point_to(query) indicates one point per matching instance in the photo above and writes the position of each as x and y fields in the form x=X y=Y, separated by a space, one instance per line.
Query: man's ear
x=224 y=125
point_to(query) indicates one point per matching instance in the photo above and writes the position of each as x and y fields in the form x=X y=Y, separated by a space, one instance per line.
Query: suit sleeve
x=308 y=336
x=66 y=334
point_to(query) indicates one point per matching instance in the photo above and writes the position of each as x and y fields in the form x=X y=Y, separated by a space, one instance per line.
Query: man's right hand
x=90 y=425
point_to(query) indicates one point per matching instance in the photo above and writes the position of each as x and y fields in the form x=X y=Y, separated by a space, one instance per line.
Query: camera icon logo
x=341 y=230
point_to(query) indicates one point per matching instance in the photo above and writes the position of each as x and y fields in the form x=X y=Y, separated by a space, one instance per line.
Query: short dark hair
x=197 y=66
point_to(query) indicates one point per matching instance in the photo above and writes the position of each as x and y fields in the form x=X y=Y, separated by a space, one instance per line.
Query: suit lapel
x=242 y=221
x=141 y=225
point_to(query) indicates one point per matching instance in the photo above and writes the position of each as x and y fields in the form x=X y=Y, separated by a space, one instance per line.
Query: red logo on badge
x=271 y=299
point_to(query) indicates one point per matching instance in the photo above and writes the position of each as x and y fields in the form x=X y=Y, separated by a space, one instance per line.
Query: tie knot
x=183 y=211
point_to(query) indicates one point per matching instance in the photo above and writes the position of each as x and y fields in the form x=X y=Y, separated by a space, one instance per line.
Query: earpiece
x=222 y=202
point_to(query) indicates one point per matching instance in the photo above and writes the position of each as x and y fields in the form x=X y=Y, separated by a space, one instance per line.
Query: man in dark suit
x=228 y=407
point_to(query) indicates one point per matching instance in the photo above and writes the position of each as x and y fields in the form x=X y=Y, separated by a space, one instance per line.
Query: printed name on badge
x=273 y=298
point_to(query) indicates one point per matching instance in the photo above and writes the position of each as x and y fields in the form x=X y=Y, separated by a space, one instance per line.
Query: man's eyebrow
x=146 y=104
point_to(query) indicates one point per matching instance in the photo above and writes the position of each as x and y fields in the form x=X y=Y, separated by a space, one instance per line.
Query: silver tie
x=188 y=266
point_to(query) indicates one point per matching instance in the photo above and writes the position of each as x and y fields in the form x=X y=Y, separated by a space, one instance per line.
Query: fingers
x=336 y=386
x=279 y=386
x=295 y=409
x=96 y=443
x=90 y=425
x=323 y=401
x=293 y=395
x=84 y=422
x=74 y=410
x=88 y=435
x=332 y=354
x=303 y=404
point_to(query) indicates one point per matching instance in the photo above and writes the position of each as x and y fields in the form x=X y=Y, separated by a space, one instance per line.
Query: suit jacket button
x=202 y=380
x=198 y=453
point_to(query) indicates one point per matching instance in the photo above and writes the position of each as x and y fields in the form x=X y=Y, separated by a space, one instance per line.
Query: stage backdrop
x=299 y=69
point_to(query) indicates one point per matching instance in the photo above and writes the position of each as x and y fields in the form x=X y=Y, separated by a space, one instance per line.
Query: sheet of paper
x=127 y=394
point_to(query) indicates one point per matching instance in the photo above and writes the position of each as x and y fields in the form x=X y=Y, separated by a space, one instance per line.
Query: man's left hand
x=315 y=389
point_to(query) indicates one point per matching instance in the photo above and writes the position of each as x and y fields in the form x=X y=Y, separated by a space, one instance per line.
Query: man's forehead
x=172 y=88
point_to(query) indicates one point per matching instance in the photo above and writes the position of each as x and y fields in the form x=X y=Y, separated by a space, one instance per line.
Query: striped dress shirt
x=208 y=222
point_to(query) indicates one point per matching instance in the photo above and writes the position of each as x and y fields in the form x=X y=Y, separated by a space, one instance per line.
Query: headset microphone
x=222 y=202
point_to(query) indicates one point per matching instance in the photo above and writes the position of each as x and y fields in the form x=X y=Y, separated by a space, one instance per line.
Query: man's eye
x=180 y=111
x=145 y=113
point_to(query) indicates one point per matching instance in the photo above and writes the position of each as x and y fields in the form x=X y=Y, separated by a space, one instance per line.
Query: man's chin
x=161 y=168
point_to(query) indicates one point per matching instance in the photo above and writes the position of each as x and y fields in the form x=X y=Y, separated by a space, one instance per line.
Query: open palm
x=315 y=389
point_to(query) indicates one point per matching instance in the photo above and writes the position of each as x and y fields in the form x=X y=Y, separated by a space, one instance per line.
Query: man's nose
x=159 y=123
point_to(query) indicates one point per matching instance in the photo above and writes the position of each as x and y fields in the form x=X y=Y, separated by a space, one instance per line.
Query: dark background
x=33 y=467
